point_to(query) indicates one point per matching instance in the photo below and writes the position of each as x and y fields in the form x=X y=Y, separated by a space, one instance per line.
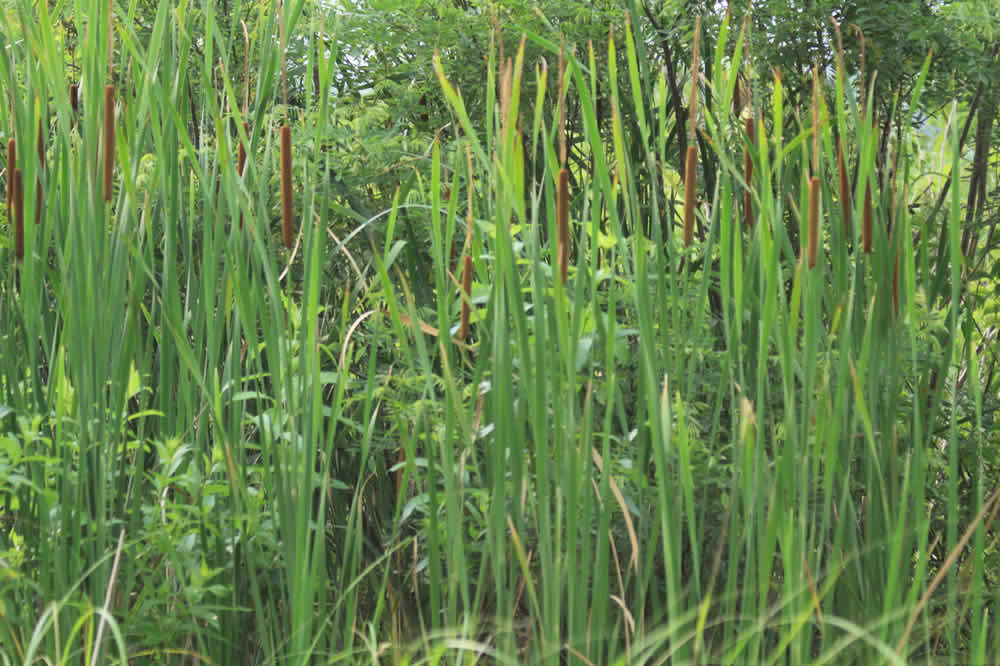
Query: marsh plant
x=555 y=405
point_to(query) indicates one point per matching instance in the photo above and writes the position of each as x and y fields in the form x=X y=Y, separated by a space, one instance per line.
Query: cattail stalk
x=693 y=104
x=748 y=175
x=813 y=221
x=691 y=162
x=690 y=170
x=562 y=107
x=463 y=330
x=815 y=121
x=562 y=223
x=109 y=140
x=286 y=186
x=866 y=220
x=241 y=161
x=845 y=189
x=38 y=180
x=17 y=201
x=11 y=165
x=895 y=285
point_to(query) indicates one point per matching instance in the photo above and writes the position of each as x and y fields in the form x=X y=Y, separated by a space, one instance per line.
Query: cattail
x=562 y=222
x=17 y=201
x=690 y=167
x=38 y=180
x=109 y=139
x=845 y=189
x=693 y=104
x=463 y=330
x=286 y=186
x=689 y=177
x=748 y=175
x=241 y=161
x=815 y=121
x=562 y=106
x=895 y=285
x=813 y=220
x=11 y=165
x=866 y=220
x=74 y=97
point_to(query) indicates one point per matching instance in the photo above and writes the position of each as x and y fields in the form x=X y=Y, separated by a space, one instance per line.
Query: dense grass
x=213 y=453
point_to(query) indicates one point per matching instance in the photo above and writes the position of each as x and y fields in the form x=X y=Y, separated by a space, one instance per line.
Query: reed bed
x=651 y=450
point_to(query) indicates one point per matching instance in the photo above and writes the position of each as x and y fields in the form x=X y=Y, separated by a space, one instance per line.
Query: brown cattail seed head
x=813 y=221
x=748 y=175
x=845 y=189
x=74 y=97
x=689 y=183
x=17 y=201
x=562 y=223
x=109 y=140
x=286 y=186
x=463 y=330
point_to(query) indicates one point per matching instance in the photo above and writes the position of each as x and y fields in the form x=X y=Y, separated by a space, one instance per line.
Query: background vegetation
x=292 y=369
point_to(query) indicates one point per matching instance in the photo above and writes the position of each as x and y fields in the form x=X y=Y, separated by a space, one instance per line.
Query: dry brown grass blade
x=633 y=538
x=948 y=564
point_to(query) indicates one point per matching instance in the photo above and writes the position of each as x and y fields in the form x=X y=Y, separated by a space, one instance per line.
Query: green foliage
x=217 y=449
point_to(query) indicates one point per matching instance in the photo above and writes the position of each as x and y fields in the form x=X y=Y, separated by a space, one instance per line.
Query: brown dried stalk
x=463 y=330
x=562 y=223
x=813 y=221
x=689 y=178
x=286 y=186
x=109 y=140
x=748 y=175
